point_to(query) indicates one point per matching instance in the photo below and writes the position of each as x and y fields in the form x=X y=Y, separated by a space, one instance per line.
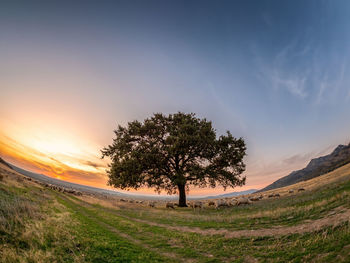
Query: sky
x=273 y=72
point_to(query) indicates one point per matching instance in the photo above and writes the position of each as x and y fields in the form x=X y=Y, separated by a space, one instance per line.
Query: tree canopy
x=173 y=152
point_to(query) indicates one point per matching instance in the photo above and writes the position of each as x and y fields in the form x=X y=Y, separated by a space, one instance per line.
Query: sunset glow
x=67 y=83
x=54 y=152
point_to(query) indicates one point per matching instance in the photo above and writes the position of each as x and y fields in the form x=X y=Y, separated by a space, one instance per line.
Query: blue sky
x=273 y=72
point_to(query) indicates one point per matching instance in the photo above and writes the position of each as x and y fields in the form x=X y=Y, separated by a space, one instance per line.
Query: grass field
x=41 y=225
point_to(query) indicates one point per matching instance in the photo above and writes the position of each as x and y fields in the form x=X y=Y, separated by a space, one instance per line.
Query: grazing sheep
x=255 y=198
x=301 y=189
x=243 y=201
x=291 y=191
x=221 y=203
x=196 y=204
x=232 y=202
x=274 y=195
x=152 y=204
x=169 y=205
x=211 y=203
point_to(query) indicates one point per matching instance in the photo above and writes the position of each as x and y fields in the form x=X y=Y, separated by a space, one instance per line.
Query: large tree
x=172 y=152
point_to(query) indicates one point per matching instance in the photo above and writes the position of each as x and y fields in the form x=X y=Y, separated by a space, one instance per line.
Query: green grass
x=41 y=225
x=293 y=248
x=285 y=211
x=47 y=229
x=103 y=245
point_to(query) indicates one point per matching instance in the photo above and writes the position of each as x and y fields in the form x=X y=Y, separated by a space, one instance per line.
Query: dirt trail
x=315 y=225
x=335 y=217
x=136 y=241
x=126 y=236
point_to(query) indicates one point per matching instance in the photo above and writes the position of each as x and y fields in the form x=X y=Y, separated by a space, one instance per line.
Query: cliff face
x=316 y=167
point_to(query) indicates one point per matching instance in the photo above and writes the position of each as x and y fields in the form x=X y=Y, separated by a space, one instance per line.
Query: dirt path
x=136 y=241
x=341 y=216
x=126 y=236
x=335 y=217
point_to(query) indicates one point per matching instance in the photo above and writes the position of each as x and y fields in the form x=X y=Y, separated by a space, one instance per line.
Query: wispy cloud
x=329 y=82
x=293 y=84
x=297 y=159
x=280 y=75
x=322 y=88
x=302 y=72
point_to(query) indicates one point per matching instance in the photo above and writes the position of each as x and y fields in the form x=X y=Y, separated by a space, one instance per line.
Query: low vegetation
x=40 y=224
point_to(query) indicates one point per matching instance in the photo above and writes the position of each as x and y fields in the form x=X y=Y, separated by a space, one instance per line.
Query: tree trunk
x=182 y=195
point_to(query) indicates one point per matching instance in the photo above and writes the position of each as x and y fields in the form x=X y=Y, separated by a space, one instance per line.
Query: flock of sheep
x=196 y=204
x=56 y=187
x=220 y=203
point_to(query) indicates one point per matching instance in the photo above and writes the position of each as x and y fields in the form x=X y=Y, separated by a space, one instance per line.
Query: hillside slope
x=39 y=224
x=318 y=166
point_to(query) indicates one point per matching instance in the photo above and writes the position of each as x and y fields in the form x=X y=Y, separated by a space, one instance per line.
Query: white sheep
x=221 y=203
x=169 y=205
x=211 y=203
x=232 y=202
x=243 y=201
x=196 y=204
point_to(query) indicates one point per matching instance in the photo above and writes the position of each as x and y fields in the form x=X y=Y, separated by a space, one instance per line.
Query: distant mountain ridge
x=5 y=163
x=316 y=167
x=232 y=194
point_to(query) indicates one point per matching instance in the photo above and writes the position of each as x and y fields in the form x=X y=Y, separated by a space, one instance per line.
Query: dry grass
x=110 y=203
x=30 y=230
x=15 y=179
x=36 y=235
x=337 y=175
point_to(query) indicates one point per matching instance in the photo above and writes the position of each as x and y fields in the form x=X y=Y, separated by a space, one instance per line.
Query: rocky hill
x=318 y=166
